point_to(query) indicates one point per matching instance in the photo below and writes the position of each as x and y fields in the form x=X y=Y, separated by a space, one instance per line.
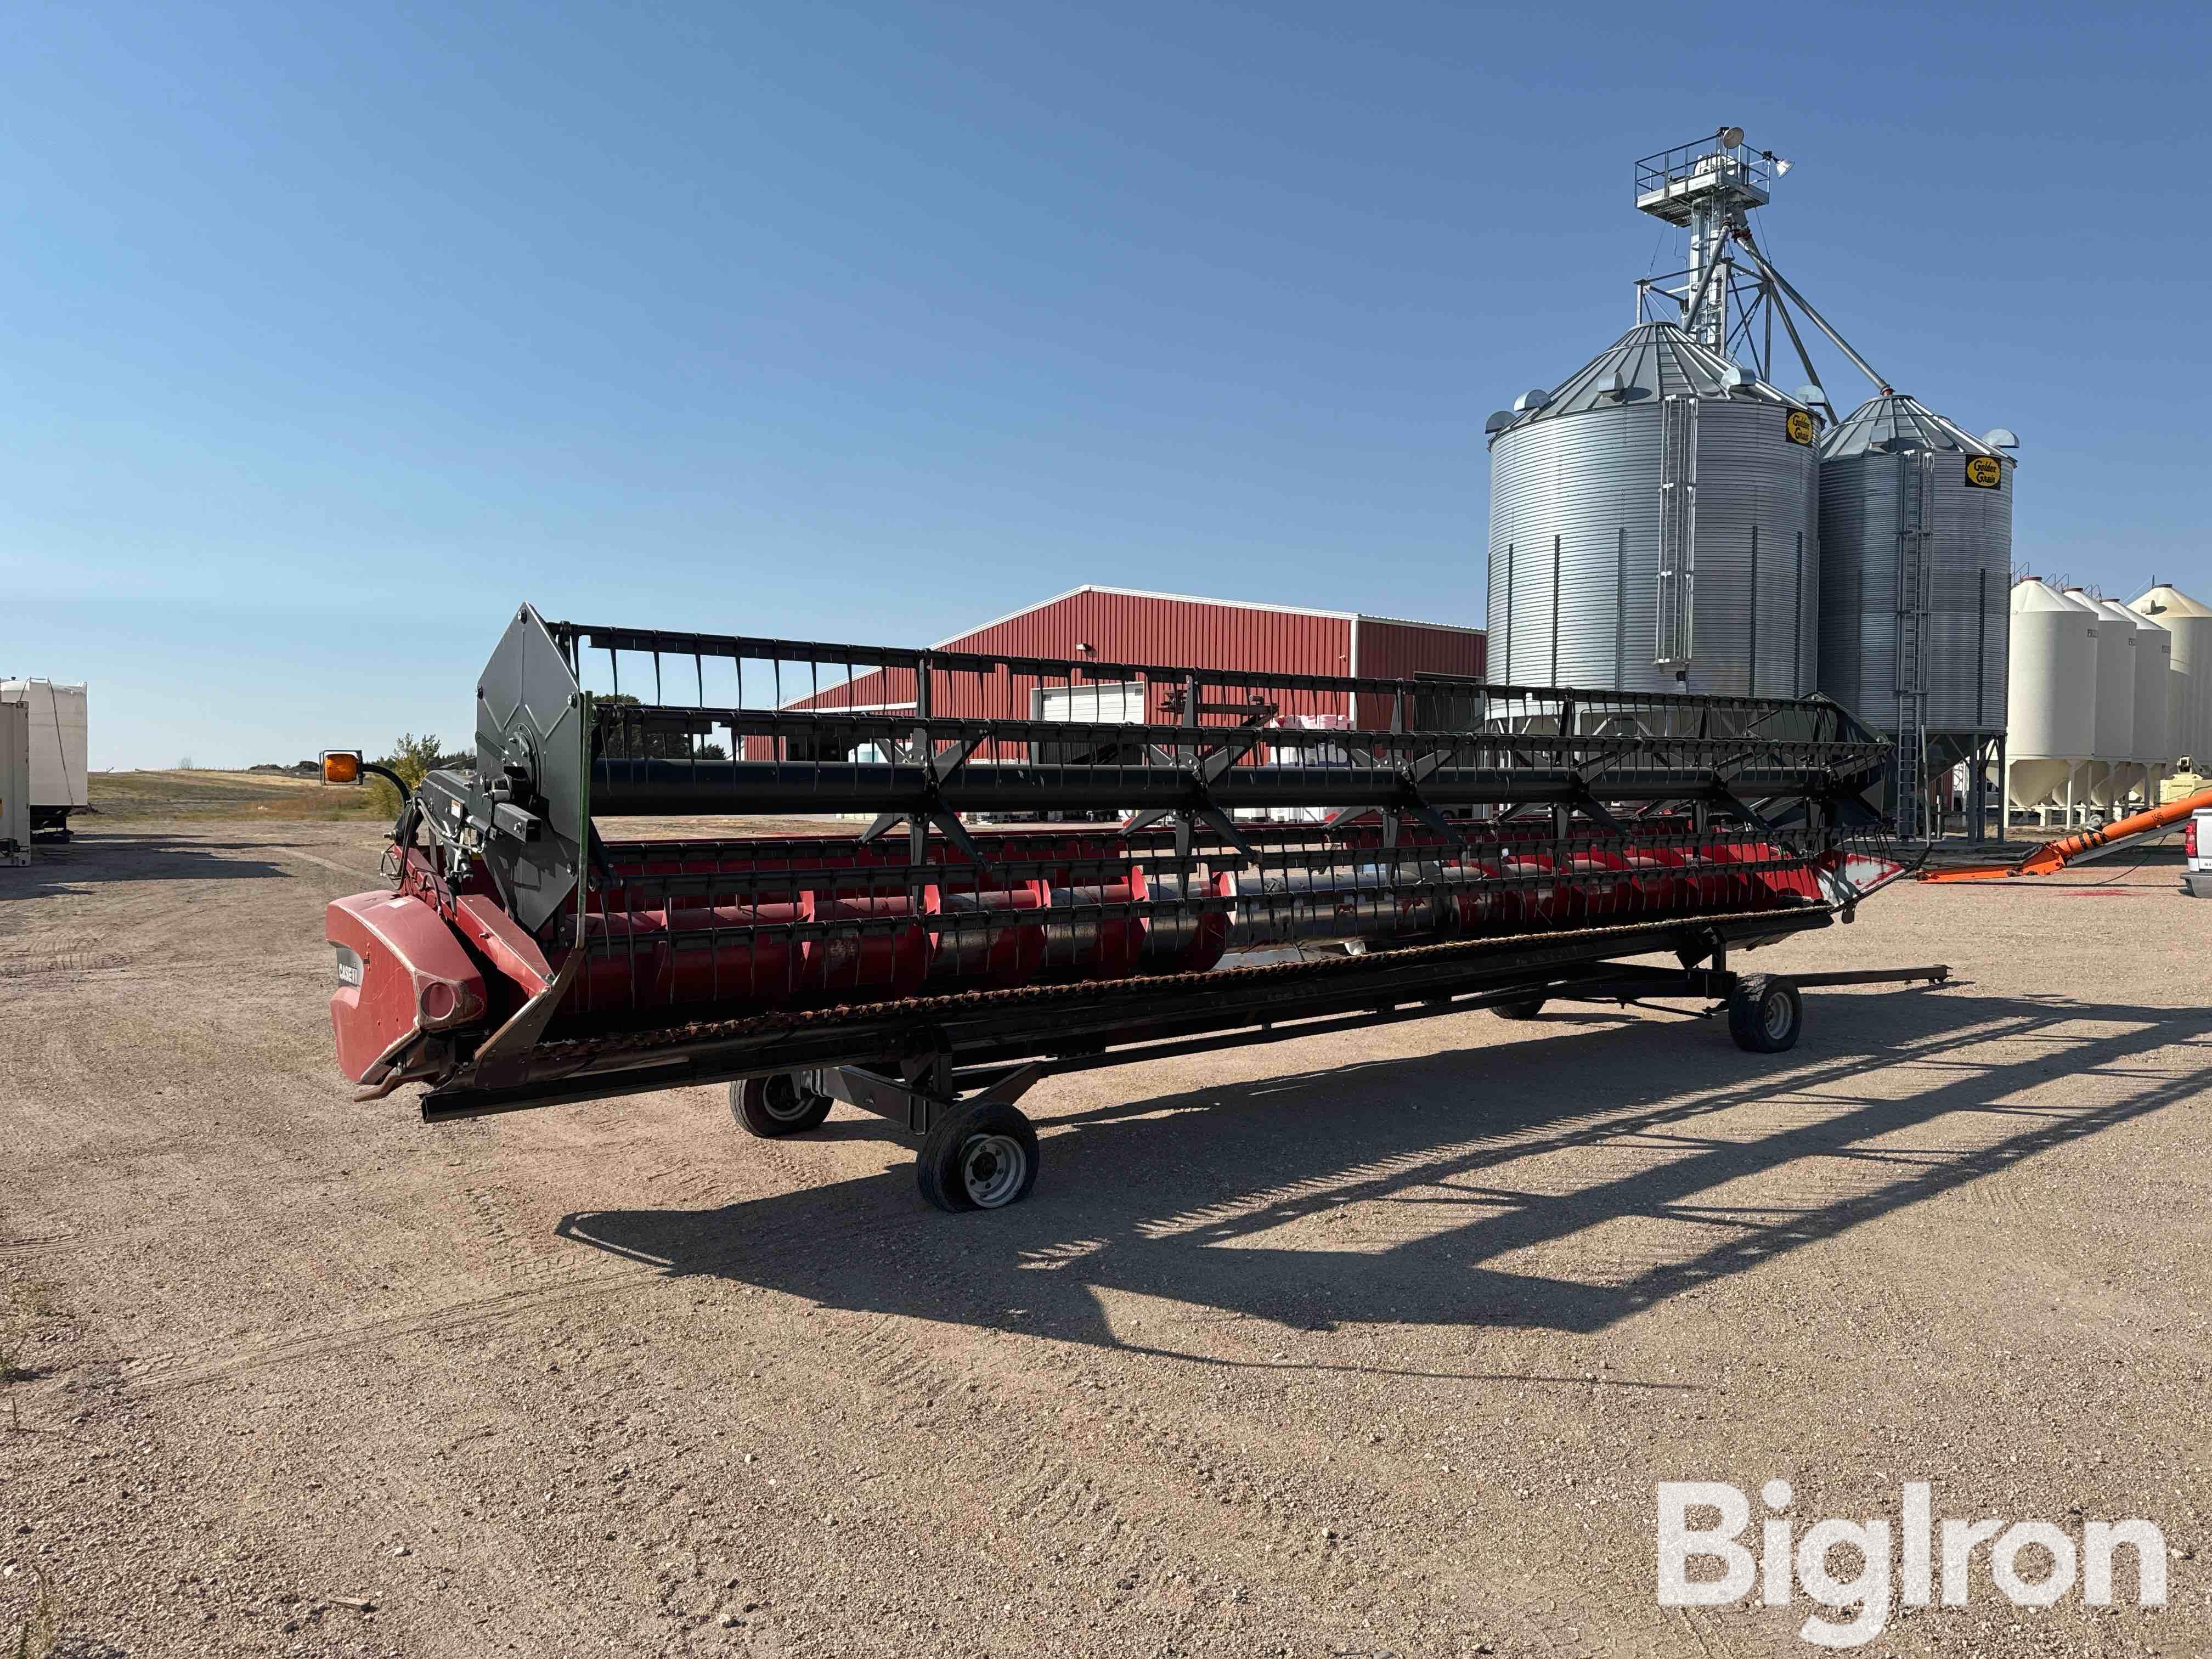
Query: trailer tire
x=984 y=1157
x=777 y=1105
x=1766 y=1014
x=1519 y=1008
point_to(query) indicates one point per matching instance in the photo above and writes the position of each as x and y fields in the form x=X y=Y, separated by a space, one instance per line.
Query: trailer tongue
x=1287 y=854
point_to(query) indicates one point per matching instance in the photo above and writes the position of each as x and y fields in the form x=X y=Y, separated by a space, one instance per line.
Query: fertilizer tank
x=2154 y=703
x=2050 y=693
x=1653 y=527
x=2189 y=624
x=2126 y=772
x=2112 y=769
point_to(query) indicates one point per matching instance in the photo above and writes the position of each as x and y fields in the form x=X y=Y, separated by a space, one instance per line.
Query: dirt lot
x=1374 y=1345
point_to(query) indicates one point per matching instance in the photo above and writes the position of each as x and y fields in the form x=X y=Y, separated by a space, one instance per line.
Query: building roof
x=1890 y=422
x=1194 y=599
x=1652 y=360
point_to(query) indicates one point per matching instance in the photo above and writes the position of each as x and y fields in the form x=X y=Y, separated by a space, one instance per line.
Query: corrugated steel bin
x=1658 y=482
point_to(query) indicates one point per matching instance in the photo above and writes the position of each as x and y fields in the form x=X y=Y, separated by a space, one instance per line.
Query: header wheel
x=982 y=1158
x=1766 y=1014
x=777 y=1105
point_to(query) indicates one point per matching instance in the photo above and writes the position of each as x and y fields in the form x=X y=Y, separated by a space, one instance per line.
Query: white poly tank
x=2115 y=696
x=2113 y=774
x=2050 y=693
x=2154 y=669
x=2189 y=624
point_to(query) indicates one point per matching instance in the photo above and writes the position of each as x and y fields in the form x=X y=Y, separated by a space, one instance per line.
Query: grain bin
x=1654 y=527
x=1915 y=565
x=2050 y=696
x=2189 y=623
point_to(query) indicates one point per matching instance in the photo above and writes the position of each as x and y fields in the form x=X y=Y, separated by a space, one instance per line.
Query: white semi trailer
x=15 y=784
x=58 y=752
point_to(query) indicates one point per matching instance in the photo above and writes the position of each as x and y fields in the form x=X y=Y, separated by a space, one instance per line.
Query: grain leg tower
x=1668 y=518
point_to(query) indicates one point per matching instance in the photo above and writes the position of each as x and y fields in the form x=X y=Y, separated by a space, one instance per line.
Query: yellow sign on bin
x=1984 y=471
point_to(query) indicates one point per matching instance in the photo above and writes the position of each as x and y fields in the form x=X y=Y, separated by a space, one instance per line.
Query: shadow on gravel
x=1220 y=1198
x=96 y=856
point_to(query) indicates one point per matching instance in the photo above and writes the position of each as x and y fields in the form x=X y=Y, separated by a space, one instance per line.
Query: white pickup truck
x=2197 y=842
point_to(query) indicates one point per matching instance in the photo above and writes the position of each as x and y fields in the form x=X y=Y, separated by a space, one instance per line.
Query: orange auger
x=2055 y=855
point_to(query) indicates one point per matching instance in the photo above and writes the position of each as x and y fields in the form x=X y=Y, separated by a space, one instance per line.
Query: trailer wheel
x=777 y=1105
x=1519 y=1008
x=982 y=1158
x=1766 y=1014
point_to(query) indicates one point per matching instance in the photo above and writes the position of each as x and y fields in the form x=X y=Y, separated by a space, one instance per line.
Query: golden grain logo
x=1799 y=427
x=1984 y=471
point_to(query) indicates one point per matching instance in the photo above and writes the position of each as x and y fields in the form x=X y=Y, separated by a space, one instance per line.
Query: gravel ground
x=1364 y=1344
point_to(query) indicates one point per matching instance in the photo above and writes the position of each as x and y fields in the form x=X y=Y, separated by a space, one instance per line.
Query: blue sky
x=329 y=334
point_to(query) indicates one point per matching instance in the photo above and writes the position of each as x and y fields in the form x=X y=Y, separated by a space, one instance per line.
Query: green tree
x=410 y=757
x=627 y=734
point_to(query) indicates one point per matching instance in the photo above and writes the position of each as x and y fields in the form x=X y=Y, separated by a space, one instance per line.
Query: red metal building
x=1121 y=625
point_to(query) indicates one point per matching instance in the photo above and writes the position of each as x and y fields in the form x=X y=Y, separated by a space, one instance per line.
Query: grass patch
x=27 y=1301
x=124 y=796
x=34 y=1637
